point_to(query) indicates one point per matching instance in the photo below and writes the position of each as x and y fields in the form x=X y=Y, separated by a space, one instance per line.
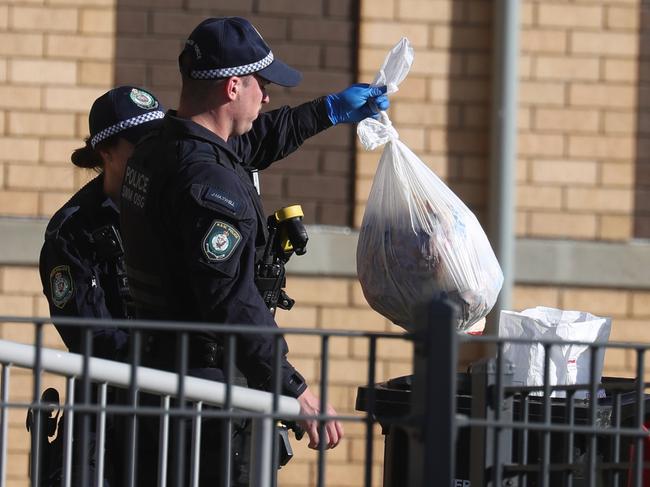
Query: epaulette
x=59 y=218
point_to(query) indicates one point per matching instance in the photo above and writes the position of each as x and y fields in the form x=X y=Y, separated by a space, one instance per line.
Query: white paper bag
x=569 y=364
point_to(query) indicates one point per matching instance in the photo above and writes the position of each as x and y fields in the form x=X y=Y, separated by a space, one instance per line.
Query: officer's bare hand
x=310 y=405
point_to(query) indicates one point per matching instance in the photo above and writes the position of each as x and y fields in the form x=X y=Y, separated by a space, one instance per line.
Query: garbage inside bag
x=417 y=238
x=569 y=364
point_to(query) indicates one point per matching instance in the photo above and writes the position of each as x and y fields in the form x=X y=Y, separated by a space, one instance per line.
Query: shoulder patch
x=61 y=285
x=220 y=241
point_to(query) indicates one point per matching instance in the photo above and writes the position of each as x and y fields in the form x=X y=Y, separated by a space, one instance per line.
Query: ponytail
x=87 y=157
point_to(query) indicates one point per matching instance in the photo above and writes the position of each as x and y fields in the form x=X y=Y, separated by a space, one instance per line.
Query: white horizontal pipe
x=149 y=380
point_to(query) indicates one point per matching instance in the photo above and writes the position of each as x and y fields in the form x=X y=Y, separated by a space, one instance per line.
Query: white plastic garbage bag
x=568 y=364
x=417 y=238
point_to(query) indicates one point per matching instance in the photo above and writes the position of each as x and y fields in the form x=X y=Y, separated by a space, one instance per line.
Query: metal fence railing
x=461 y=428
x=92 y=407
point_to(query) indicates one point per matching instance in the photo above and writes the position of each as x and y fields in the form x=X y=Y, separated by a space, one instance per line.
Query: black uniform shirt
x=192 y=222
x=78 y=278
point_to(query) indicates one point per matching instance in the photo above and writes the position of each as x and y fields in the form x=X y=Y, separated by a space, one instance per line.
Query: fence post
x=433 y=440
x=262 y=431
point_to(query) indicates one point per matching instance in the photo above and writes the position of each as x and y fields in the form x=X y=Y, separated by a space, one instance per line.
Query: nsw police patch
x=221 y=241
x=61 y=285
x=143 y=99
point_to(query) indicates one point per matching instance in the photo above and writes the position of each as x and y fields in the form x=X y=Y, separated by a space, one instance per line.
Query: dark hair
x=89 y=158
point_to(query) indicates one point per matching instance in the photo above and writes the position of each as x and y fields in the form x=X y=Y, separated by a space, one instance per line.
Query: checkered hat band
x=235 y=71
x=126 y=124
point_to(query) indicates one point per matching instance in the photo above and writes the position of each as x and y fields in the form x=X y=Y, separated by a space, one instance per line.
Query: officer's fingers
x=333 y=434
x=382 y=102
x=312 y=432
x=339 y=429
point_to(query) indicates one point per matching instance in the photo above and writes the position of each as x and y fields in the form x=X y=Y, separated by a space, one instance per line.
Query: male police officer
x=192 y=220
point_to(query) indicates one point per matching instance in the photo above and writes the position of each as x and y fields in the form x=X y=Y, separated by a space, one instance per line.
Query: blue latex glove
x=356 y=103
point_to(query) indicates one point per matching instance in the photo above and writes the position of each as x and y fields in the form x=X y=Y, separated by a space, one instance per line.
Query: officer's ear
x=233 y=86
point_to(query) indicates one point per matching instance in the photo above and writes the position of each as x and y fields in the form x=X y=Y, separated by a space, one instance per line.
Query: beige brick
x=362 y=185
x=71 y=99
x=641 y=304
x=567 y=68
x=521 y=224
x=412 y=88
x=300 y=316
x=19 y=149
x=423 y=114
x=463 y=91
x=377 y=10
x=545 y=197
x=629 y=331
x=310 y=346
x=622 y=18
x=43 y=19
x=98 y=21
x=611 y=147
x=525 y=297
x=376 y=33
x=600 y=95
x=423 y=10
x=370 y=60
x=601 y=200
x=435 y=63
x=83 y=3
x=526 y=67
x=567 y=15
x=58 y=151
x=621 y=70
x=602 y=302
x=3 y=70
x=538 y=93
x=352 y=319
x=615 y=227
x=358 y=450
x=562 y=225
x=321 y=291
x=620 y=122
x=617 y=174
x=50 y=202
x=20 y=280
x=396 y=369
x=543 y=41
x=20 y=44
x=414 y=138
x=18 y=203
x=564 y=172
x=43 y=71
x=96 y=73
x=348 y=371
x=541 y=144
x=25 y=123
x=15 y=306
x=12 y=96
x=527 y=13
x=604 y=43
x=367 y=163
x=567 y=120
x=39 y=177
x=617 y=359
x=81 y=47
x=4 y=16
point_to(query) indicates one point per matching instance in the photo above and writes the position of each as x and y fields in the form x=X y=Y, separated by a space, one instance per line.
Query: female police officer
x=81 y=263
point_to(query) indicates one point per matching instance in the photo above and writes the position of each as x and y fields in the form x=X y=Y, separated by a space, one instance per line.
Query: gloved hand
x=356 y=103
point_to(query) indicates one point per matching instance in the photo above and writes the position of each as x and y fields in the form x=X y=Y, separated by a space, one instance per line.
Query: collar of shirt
x=188 y=128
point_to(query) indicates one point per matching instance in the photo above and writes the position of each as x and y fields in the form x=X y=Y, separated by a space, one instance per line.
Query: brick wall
x=582 y=172
x=578 y=119
x=318 y=37
x=55 y=59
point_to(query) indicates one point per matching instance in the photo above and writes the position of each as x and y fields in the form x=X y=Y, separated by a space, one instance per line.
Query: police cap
x=232 y=46
x=126 y=111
